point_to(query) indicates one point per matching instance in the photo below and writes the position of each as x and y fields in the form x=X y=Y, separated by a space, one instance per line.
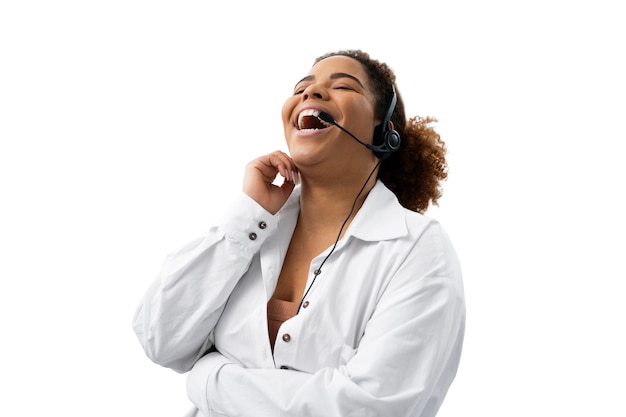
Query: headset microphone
x=389 y=138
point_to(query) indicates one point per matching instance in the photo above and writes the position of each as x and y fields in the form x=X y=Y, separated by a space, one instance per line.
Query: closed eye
x=299 y=89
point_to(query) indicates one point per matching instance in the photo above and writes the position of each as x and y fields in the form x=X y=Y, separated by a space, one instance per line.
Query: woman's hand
x=260 y=175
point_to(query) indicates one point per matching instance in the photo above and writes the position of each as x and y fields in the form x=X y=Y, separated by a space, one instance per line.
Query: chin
x=305 y=156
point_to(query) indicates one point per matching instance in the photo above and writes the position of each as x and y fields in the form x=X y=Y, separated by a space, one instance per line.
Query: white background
x=125 y=127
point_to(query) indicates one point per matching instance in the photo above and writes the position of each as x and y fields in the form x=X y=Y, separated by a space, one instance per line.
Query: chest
x=324 y=333
x=297 y=265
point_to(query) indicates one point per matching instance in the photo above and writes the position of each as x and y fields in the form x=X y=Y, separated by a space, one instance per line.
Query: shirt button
x=305 y=305
x=262 y=225
x=286 y=337
x=252 y=236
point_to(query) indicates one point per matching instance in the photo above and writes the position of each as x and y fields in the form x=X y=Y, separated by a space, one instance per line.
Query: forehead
x=340 y=64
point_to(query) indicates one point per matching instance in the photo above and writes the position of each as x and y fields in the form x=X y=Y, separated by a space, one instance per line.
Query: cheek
x=365 y=126
x=287 y=110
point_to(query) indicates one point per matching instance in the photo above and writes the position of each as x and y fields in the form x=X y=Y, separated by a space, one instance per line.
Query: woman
x=332 y=297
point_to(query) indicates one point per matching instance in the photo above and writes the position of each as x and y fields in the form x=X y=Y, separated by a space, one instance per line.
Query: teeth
x=310 y=112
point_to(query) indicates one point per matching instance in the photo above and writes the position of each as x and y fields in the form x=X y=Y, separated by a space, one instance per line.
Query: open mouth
x=310 y=120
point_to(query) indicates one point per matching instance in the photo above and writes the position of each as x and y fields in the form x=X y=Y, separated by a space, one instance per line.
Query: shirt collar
x=381 y=217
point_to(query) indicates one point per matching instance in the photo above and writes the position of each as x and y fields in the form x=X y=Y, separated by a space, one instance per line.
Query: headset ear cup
x=392 y=140
x=390 y=143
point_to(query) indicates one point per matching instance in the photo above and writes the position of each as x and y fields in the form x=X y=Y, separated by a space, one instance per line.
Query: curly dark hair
x=415 y=172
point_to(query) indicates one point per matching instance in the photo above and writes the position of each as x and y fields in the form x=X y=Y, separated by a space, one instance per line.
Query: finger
x=284 y=164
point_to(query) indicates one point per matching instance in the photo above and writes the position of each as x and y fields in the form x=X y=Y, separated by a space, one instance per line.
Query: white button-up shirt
x=381 y=333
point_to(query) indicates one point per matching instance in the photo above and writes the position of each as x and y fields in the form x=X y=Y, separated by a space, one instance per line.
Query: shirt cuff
x=248 y=224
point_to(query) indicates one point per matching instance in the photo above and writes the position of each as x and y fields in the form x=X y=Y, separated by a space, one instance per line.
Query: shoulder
x=385 y=218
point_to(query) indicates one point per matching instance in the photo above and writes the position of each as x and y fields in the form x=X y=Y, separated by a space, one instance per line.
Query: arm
x=176 y=318
x=404 y=363
x=177 y=315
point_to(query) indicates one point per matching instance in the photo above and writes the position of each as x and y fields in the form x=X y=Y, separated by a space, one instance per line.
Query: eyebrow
x=333 y=76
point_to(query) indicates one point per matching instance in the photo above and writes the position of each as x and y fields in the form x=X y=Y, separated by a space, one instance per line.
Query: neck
x=325 y=205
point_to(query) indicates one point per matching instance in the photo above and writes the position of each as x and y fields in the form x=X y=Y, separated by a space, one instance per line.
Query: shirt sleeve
x=404 y=363
x=176 y=317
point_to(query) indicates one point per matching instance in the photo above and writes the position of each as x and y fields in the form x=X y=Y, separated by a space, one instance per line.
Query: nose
x=314 y=91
